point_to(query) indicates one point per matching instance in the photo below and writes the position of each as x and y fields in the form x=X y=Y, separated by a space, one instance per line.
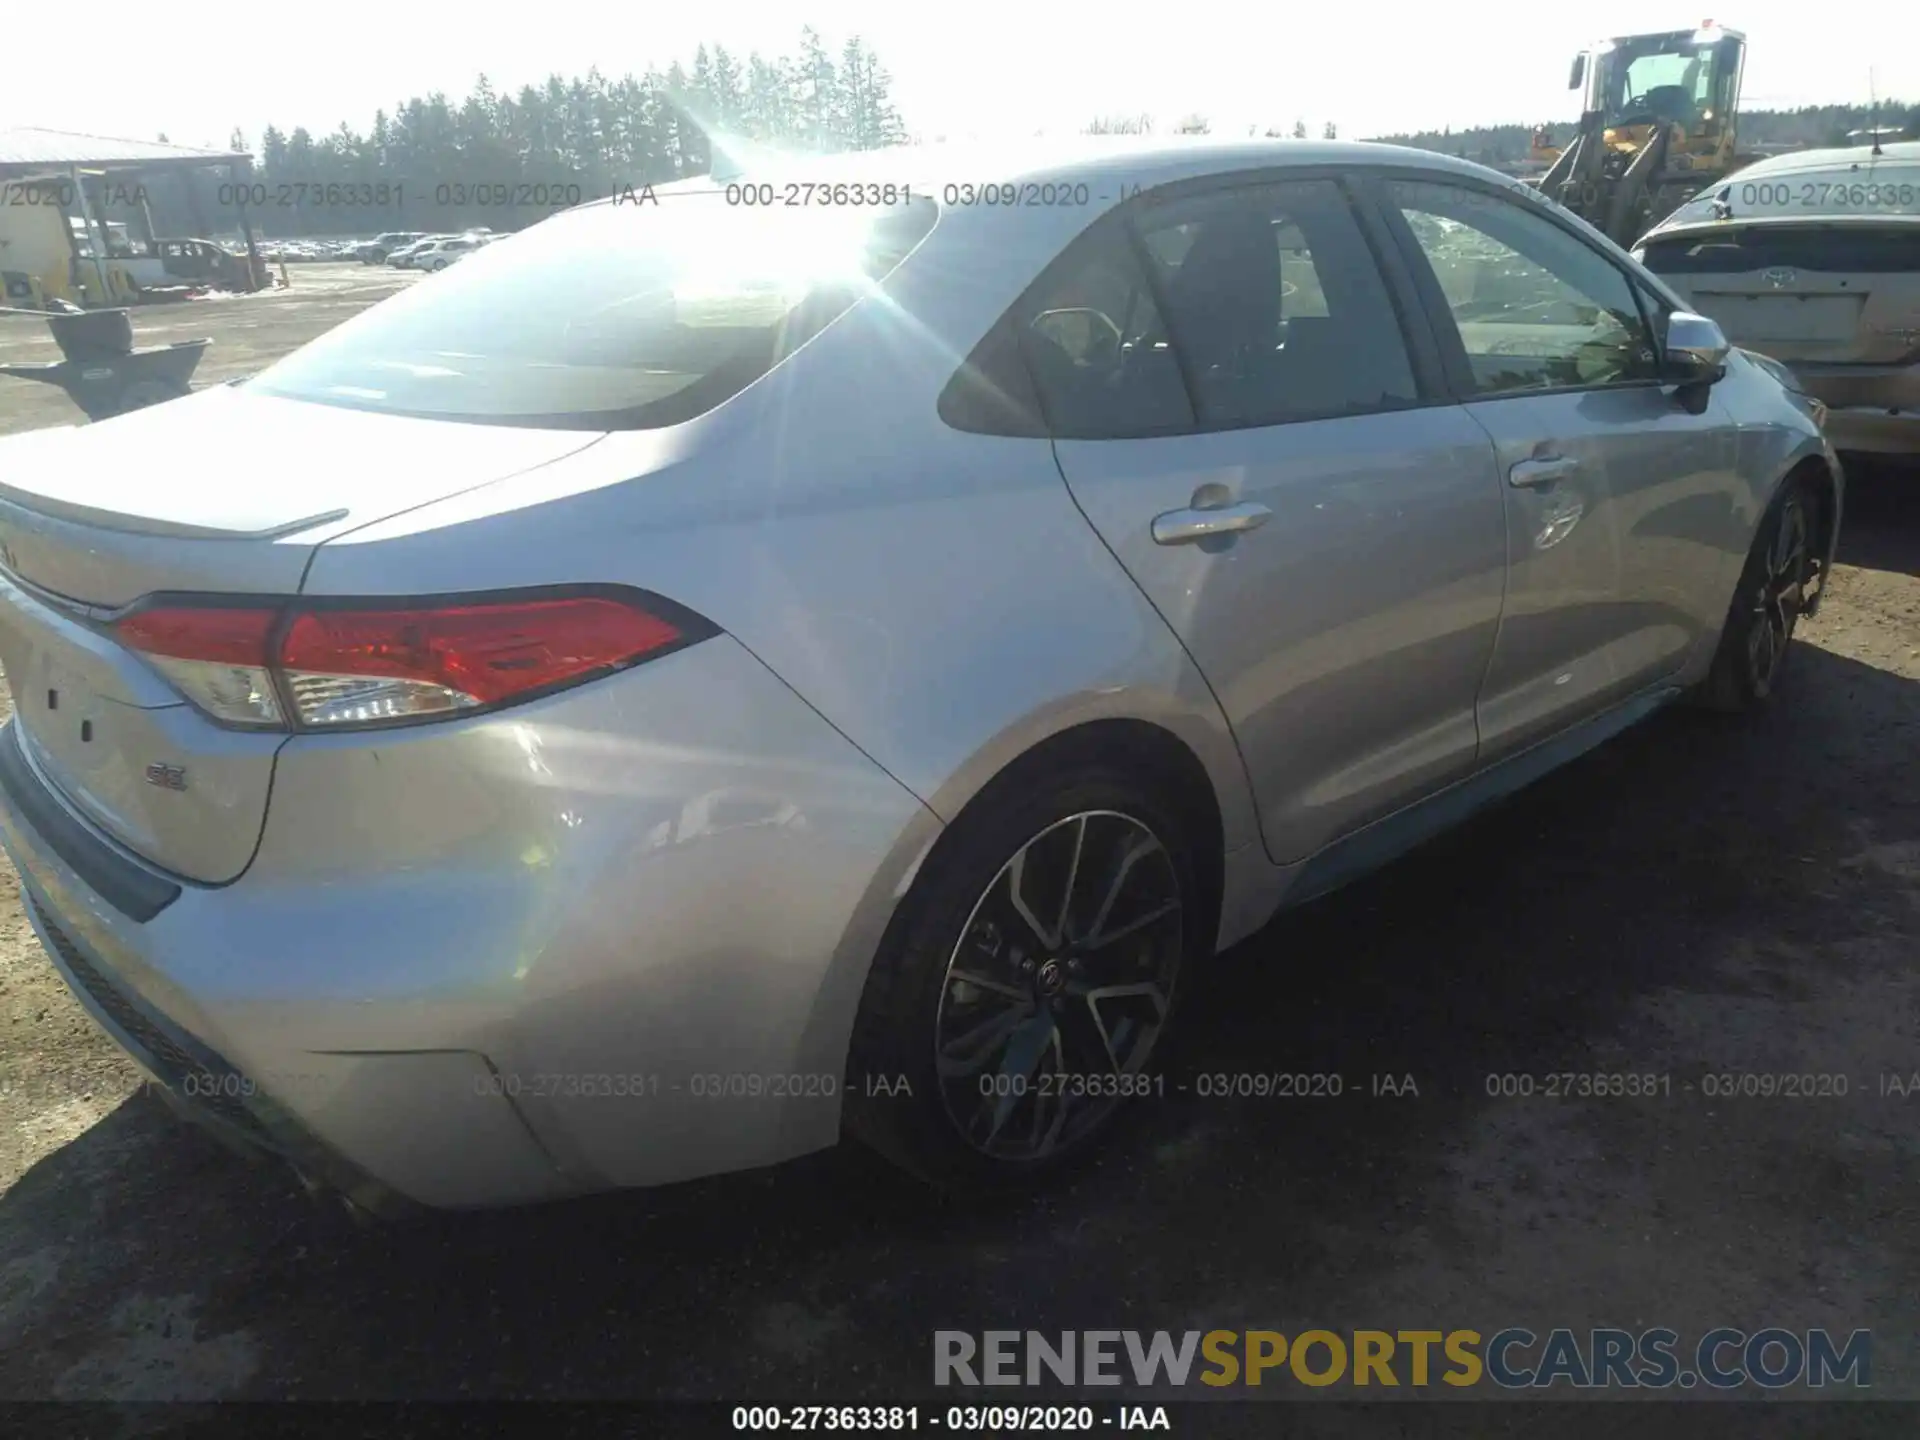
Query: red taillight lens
x=364 y=666
x=216 y=657
x=237 y=637
x=355 y=666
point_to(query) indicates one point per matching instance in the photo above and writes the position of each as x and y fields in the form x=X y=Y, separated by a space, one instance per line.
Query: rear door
x=1621 y=495
x=1231 y=356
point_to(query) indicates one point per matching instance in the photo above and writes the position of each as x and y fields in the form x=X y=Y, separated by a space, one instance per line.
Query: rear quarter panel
x=934 y=597
x=937 y=596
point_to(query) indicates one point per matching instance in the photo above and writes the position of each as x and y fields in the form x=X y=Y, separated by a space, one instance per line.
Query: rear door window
x=1277 y=307
x=1096 y=344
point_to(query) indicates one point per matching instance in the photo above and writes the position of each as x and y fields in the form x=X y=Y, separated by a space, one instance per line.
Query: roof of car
x=1904 y=152
x=1863 y=190
x=1119 y=161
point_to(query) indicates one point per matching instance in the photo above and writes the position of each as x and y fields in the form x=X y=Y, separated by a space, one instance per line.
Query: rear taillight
x=355 y=666
x=352 y=666
x=216 y=658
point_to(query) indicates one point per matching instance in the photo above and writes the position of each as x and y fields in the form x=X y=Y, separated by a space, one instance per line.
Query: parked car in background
x=1814 y=259
x=732 y=678
x=446 y=252
x=170 y=264
x=376 y=250
x=403 y=257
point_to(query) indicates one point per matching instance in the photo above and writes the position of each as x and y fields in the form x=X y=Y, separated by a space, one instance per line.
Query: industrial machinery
x=102 y=373
x=1658 y=124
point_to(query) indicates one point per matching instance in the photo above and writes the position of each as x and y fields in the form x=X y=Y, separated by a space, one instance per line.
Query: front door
x=1620 y=492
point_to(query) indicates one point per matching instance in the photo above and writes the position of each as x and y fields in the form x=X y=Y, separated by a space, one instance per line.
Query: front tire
x=1766 y=609
x=1028 y=982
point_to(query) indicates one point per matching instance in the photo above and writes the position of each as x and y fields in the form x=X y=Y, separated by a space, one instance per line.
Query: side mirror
x=1696 y=350
x=1578 y=72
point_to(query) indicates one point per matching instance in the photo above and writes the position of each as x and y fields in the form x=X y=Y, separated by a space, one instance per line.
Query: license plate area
x=1790 y=319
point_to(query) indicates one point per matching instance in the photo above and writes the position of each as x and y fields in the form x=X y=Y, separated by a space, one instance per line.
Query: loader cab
x=1685 y=78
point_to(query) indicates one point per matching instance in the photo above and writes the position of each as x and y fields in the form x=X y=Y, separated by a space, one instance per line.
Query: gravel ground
x=1696 y=898
x=248 y=331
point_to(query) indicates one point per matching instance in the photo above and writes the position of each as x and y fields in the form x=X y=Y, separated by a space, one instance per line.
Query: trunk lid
x=230 y=490
x=1835 y=292
x=220 y=492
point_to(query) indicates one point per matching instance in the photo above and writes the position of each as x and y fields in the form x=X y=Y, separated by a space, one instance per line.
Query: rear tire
x=1028 y=981
x=1766 y=609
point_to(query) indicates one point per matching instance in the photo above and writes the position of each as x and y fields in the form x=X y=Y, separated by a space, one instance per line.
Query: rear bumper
x=1871 y=409
x=202 y=1087
x=1875 y=432
x=391 y=1132
x=519 y=957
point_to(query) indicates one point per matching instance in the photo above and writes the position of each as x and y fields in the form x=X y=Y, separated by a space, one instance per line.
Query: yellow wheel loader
x=1658 y=125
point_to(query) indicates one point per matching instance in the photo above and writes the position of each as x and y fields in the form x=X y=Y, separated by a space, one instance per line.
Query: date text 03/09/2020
x=872 y=194
x=1106 y=1084
x=953 y=1419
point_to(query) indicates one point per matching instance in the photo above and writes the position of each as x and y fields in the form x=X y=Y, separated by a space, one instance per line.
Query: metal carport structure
x=28 y=154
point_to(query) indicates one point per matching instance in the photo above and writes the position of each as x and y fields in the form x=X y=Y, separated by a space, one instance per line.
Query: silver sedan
x=834 y=651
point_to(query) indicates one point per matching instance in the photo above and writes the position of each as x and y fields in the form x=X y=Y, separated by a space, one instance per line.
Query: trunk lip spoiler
x=48 y=506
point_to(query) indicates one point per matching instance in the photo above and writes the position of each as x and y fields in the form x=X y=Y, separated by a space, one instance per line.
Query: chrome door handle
x=1544 y=471
x=1178 y=527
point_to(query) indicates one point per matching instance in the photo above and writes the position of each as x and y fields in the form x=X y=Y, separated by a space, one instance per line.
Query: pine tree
x=584 y=134
x=814 y=85
x=727 y=89
x=870 y=121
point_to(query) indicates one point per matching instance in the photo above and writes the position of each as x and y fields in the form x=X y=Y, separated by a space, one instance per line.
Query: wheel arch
x=1168 y=767
x=1169 y=771
x=1825 y=484
x=1813 y=473
x=1177 y=736
x=1175 y=768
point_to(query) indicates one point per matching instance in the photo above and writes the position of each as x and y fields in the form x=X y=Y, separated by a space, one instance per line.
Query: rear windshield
x=610 y=317
x=1830 y=249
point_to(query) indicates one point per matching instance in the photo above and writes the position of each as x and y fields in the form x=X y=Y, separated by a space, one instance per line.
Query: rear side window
x=610 y=317
x=1276 y=305
x=1096 y=345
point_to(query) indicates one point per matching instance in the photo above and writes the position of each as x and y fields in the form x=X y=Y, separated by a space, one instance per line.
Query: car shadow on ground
x=1735 y=863
x=1881 y=530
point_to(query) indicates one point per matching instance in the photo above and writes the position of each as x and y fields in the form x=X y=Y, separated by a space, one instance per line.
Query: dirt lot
x=248 y=331
x=1695 y=898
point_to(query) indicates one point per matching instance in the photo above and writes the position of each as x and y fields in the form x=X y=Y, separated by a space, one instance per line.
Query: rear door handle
x=1544 y=471
x=1181 y=527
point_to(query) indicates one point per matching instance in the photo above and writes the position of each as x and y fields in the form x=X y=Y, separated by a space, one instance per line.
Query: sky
x=983 y=68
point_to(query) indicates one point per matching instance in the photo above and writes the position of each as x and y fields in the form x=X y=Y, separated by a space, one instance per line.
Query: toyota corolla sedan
x=834 y=652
